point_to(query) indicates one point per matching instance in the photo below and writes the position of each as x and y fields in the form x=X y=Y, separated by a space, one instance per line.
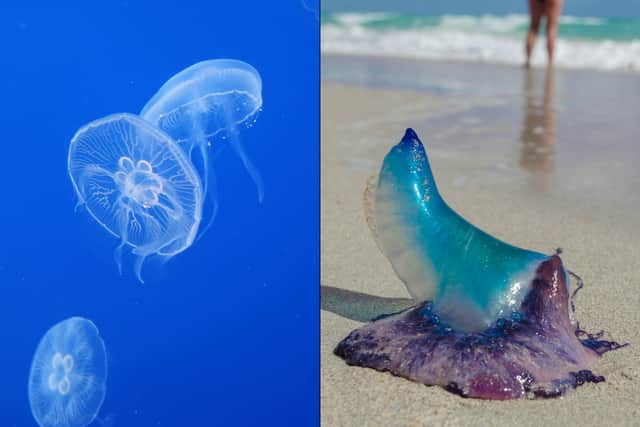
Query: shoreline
x=475 y=62
x=549 y=132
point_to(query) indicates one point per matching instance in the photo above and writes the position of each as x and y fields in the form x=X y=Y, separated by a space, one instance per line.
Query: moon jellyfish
x=491 y=320
x=137 y=183
x=67 y=383
x=208 y=102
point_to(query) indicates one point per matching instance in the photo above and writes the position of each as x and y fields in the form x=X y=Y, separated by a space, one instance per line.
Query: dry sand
x=490 y=187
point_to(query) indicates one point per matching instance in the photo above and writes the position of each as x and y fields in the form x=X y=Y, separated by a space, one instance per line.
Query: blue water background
x=227 y=332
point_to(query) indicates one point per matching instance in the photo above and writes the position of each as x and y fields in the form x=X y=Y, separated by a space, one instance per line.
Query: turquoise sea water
x=585 y=42
x=516 y=24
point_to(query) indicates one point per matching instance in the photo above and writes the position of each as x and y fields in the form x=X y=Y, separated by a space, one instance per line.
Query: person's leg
x=535 y=13
x=553 y=11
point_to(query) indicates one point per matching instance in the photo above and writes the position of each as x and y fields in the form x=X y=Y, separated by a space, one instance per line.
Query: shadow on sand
x=358 y=306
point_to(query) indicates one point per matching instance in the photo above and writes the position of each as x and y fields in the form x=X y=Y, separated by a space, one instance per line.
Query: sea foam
x=585 y=42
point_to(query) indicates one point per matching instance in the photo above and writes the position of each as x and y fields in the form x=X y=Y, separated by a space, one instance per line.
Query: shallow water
x=566 y=135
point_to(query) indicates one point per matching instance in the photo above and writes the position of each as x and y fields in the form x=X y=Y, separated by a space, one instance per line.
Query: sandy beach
x=540 y=160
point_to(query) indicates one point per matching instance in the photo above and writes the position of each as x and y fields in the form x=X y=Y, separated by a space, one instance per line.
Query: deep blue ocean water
x=227 y=332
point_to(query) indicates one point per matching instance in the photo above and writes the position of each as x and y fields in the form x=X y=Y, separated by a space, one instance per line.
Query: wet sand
x=539 y=160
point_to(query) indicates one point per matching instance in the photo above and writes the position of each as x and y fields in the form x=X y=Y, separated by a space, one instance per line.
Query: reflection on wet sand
x=538 y=136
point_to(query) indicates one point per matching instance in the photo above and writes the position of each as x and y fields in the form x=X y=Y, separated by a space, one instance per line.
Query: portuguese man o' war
x=492 y=320
x=208 y=102
x=137 y=183
x=67 y=382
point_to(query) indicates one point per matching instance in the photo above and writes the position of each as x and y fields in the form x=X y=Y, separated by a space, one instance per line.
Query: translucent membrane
x=67 y=382
x=208 y=102
x=137 y=183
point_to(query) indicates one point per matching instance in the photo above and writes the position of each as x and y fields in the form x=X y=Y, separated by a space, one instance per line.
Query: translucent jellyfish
x=208 y=102
x=67 y=383
x=137 y=183
x=491 y=320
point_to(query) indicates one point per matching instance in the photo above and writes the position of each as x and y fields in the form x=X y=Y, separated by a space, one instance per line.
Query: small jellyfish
x=208 y=102
x=137 y=183
x=67 y=383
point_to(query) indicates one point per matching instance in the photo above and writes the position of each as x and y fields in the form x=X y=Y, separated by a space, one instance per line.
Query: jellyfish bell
x=137 y=183
x=207 y=103
x=67 y=381
x=472 y=278
x=205 y=99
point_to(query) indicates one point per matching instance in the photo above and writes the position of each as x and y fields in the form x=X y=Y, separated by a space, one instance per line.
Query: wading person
x=550 y=9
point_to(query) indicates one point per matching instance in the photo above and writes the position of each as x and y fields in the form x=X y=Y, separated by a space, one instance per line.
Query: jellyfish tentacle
x=212 y=196
x=205 y=167
x=232 y=134
x=123 y=214
x=199 y=139
x=137 y=267
x=251 y=169
x=142 y=252
x=117 y=255
x=208 y=177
